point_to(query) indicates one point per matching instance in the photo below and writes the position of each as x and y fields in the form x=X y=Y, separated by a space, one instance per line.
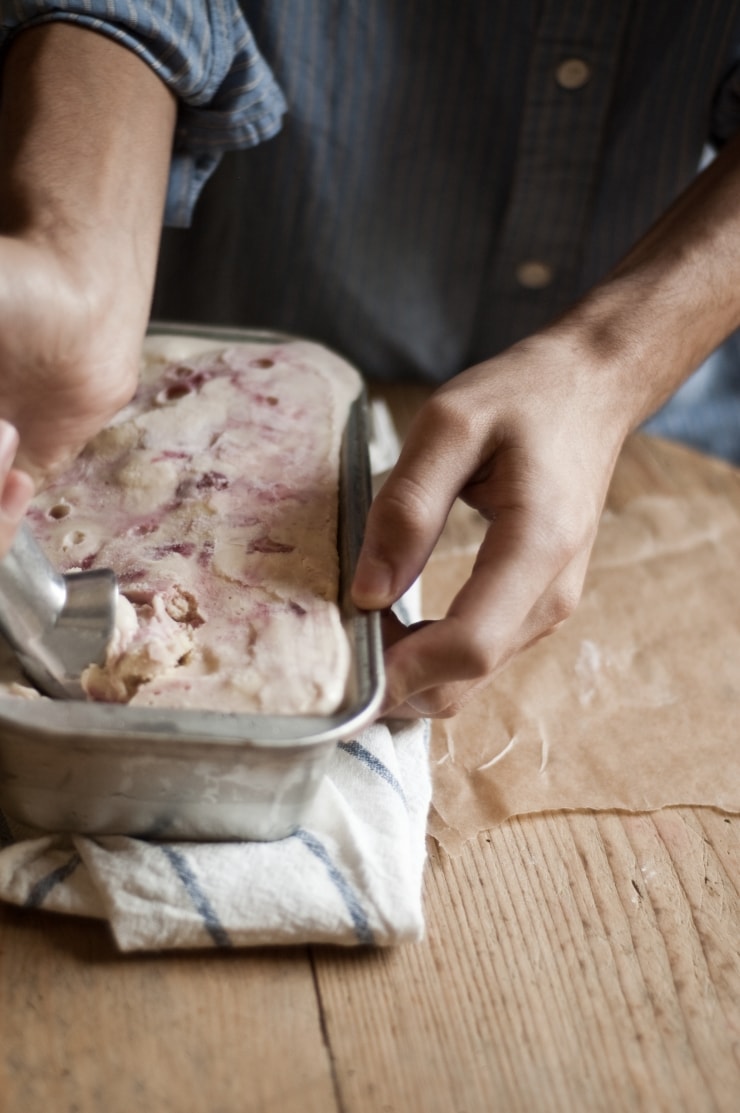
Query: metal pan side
x=194 y=754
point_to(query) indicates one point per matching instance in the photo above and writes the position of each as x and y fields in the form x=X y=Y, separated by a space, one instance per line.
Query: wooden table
x=573 y=962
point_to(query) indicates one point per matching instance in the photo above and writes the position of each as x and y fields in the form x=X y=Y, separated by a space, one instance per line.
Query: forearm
x=85 y=142
x=530 y=439
x=672 y=299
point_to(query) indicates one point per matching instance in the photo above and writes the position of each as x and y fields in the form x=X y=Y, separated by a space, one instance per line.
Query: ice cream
x=213 y=496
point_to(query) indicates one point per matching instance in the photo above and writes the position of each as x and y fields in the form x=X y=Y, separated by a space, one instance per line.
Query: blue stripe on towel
x=363 y=931
x=202 y=905
x=44 y=886
x=356 y=749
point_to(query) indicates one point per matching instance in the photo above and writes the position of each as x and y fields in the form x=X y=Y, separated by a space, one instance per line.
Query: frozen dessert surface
x=213 y=496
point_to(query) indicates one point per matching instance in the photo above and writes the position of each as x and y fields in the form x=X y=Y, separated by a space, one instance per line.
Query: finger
x=546 y=616
x=410 y=510
x=489 y=619
x=392 y=628
x=393 y=631
x=559 y=601
x=16 y=487
x=442 y=702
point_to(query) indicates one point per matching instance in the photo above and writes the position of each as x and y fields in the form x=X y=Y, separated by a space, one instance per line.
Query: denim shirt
x=438 y=178
x=204 y=51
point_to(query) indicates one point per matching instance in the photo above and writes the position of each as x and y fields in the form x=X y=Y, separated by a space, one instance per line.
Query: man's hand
x=530 y=439
x=16 y=487
x=66 y=367
x=85 y=140
x=528 y=444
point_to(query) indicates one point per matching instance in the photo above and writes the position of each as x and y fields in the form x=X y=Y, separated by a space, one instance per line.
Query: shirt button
x=573 y=73
x=534 y=275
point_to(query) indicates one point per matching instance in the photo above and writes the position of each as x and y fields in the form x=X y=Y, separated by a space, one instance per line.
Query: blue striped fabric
x=197 y=896
x=351 y=899
x=49 y=882
x=204 y=50
x=361 y=753
x=350 y=874
x=431 y=150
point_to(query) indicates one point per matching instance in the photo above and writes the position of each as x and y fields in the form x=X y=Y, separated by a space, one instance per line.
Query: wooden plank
x=573 y=963
x=578 y=963
x=87 y=1030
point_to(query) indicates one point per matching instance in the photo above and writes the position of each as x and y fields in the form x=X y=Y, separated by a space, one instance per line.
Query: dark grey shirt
x=451 y=174
x=448 y=173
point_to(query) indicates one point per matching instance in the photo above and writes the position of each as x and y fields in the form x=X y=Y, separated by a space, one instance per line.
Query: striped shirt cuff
x=204 y=52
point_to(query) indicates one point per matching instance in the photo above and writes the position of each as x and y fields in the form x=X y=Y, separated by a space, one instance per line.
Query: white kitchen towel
x=350 y=875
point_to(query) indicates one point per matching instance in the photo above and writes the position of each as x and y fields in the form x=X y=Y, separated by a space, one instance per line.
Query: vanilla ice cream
x=213 y=496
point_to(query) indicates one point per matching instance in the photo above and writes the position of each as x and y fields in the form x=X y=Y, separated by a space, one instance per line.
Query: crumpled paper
x=634 y=703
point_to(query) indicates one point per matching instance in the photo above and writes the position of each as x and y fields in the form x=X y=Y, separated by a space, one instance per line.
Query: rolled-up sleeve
x=204 y=51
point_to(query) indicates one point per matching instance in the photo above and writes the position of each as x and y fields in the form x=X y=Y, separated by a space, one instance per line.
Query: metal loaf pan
x=100 y=768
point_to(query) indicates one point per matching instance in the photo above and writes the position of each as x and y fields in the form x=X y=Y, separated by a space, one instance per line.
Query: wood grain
x=574 y=963
x=87 y=1030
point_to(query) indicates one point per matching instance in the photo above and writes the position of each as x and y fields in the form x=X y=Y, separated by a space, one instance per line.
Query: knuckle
x=445 y=415
x=563 y=603
x=404 y=504
x=478 y=657
x=459 y=428
x=565 y=538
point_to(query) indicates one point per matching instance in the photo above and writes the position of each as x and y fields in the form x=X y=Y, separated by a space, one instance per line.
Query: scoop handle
x=32 y=592
x=57 y=624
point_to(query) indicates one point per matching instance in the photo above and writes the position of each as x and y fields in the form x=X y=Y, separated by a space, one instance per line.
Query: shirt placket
x=569 y=91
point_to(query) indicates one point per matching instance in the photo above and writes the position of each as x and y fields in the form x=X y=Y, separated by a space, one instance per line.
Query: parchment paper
x=633 y=704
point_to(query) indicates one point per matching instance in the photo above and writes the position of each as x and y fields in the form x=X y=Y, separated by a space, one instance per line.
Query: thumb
x=405 y=521
x=16 y=487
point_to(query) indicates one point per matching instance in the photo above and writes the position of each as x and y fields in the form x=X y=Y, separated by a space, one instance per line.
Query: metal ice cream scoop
x=57 y=624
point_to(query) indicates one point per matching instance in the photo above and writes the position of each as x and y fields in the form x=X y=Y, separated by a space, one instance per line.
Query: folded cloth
x=350 y=875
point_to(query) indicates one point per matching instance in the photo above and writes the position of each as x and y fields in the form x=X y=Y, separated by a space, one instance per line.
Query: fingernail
x=8 y=441
x=424 y=707
x=373 y=582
